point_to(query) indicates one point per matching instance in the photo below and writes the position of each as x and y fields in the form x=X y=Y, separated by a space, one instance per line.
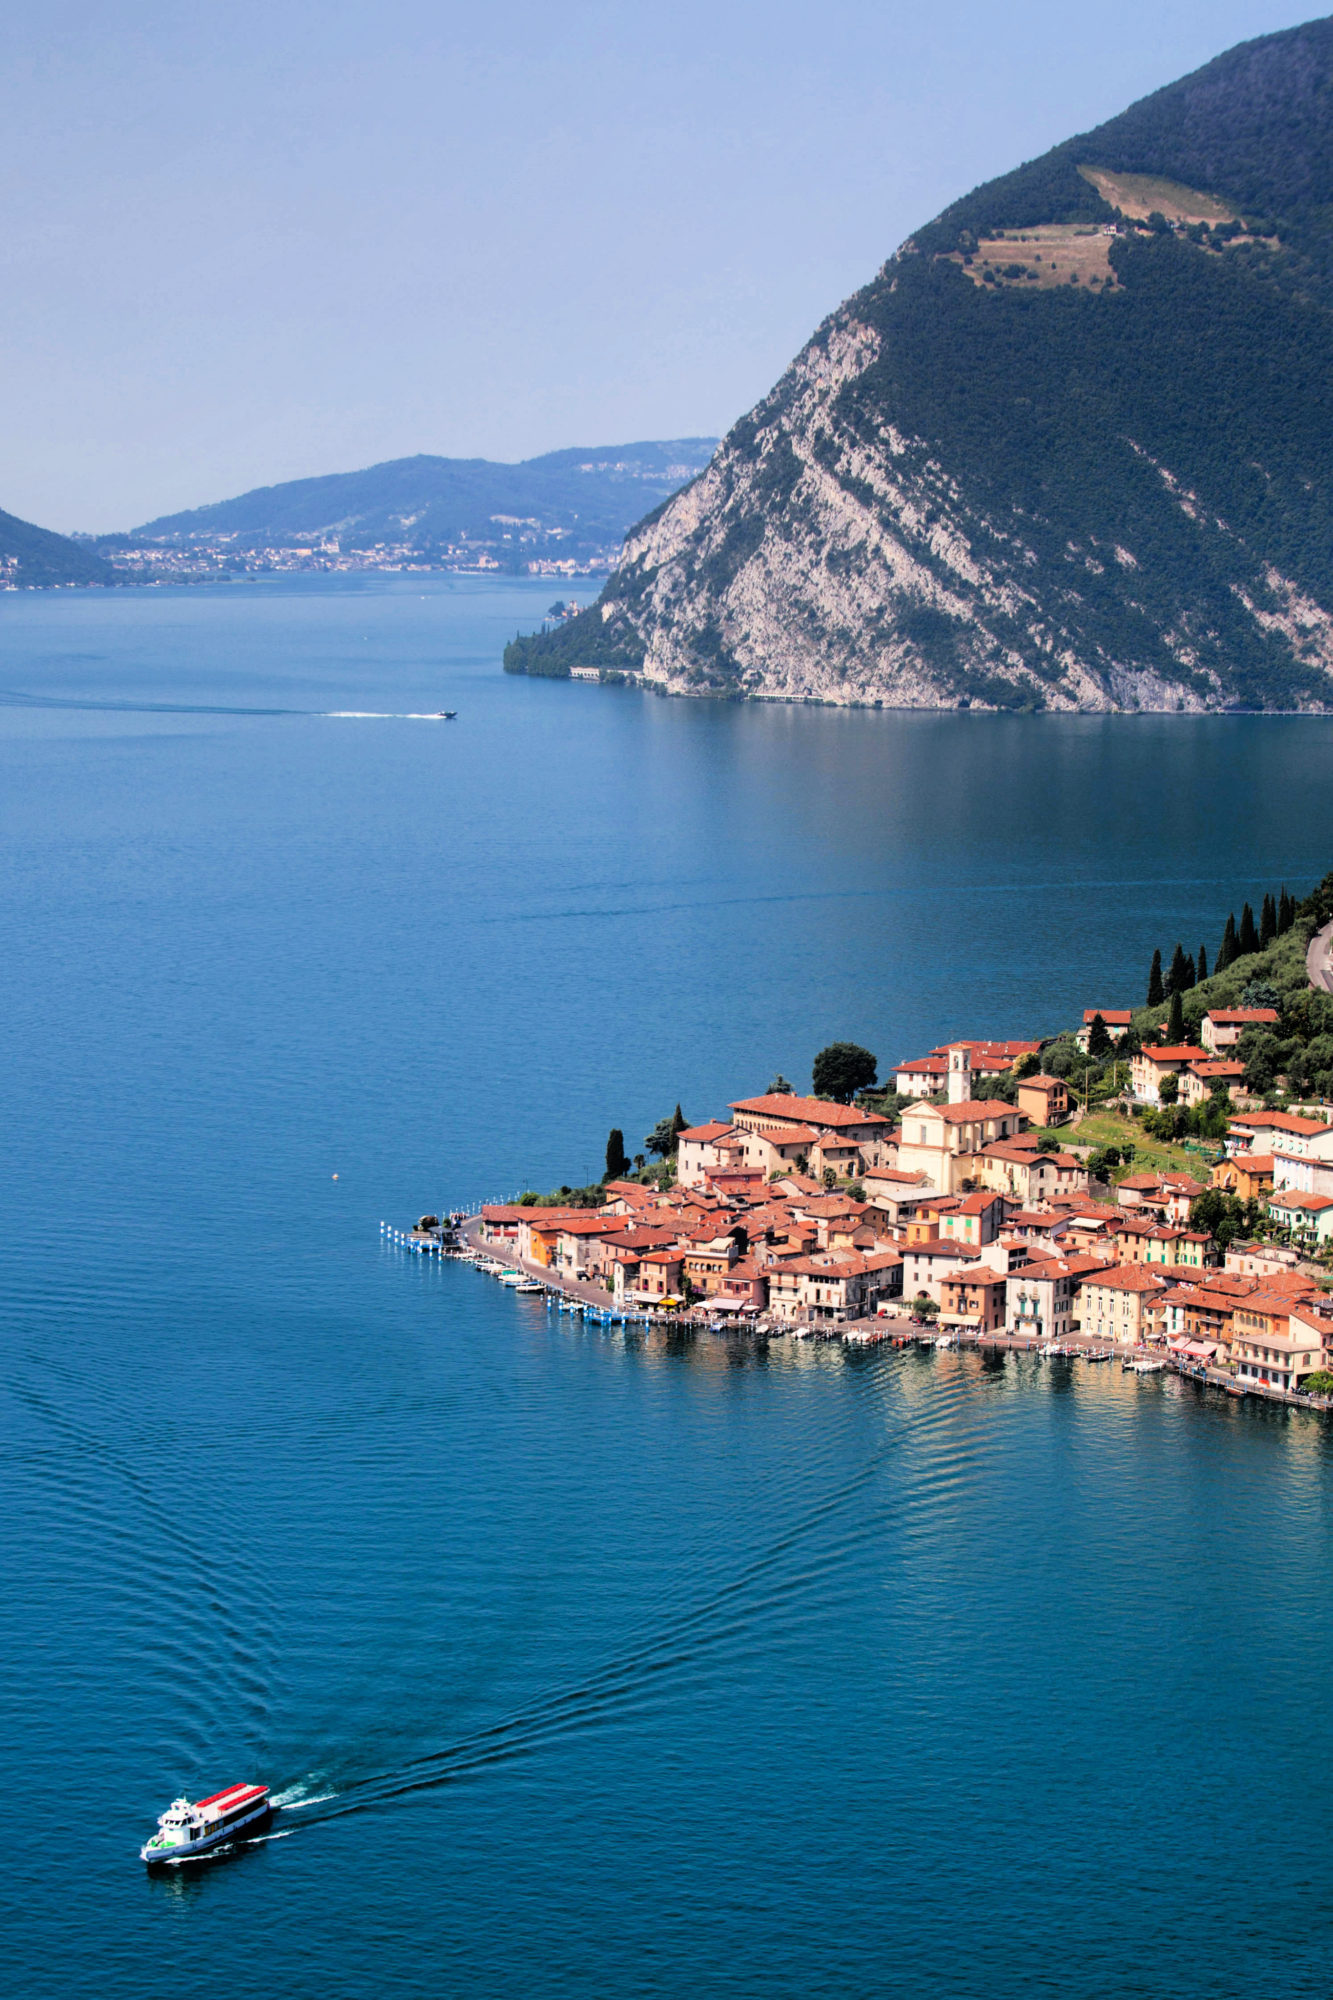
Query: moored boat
x=191 y=1827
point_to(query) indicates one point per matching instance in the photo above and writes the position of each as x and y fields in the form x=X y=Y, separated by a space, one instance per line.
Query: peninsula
x=1146 y=1182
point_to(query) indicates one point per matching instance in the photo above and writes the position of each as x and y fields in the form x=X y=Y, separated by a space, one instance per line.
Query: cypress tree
x=1286 y=912
x=1230 y=950
x=1156 y=995
x=1203 y=966
x=1175 y=1027
x=1188 y=980
x=1175 y=978
x=1099 y=1039
x=1249 y=936
x=617 y=1159
x=1268 y=923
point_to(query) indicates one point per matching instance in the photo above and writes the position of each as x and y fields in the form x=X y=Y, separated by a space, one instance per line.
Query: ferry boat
x=187 y=1828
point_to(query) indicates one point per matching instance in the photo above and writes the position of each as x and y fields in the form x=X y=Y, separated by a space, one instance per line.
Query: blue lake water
x=589 y=1663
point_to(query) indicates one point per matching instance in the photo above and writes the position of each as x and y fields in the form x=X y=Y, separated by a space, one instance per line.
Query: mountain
x=30 y=555
x=1071 y=448
x=576 y=503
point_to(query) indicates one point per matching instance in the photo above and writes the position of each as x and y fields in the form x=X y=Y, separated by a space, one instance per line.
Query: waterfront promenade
x=897 y=1330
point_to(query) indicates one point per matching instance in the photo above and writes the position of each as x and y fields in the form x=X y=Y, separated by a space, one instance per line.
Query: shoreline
x=897 y=1331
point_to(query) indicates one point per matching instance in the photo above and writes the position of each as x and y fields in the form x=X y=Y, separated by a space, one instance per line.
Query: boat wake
x=383 y=715
x=690 y=1636
x=15 y=698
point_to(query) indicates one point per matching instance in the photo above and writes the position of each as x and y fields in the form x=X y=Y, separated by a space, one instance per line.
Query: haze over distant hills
x=1071 y=448
x=572 y=505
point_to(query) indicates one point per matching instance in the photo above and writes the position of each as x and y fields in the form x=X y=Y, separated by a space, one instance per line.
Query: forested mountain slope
x=30 y=555
x=1071 y=448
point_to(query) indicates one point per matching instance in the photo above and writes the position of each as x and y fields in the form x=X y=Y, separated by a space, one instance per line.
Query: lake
x=584 y=1661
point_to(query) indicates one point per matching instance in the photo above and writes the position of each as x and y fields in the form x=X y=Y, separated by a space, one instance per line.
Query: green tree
x=1099 y=1040
x=1286 y=912
x=842 y=1069
x=1229 y=951
x=1203 y=965
x=664 y=1138
x=1175 y=1026
x=617 y=1159
x=1267 y=923
x=1260 y=993
x=1249 y=936
x=1176 y=981
x=1156 y=992
x=780 y=1087
x=1263 y=1056
x=1169 y=1088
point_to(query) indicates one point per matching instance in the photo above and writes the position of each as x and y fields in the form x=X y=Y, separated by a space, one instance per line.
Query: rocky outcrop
x=1056 y=454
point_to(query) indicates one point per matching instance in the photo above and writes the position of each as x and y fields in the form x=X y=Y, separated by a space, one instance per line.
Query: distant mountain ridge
x=572 y=503
x=1071 y=448
x=32 y=557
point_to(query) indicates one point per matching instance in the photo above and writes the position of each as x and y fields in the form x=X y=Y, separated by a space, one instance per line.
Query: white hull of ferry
x=186 y=1850
x=187 y=1830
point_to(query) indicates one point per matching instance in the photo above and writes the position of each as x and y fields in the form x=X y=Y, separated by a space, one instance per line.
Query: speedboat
x=187 y=1828
x=446 y=714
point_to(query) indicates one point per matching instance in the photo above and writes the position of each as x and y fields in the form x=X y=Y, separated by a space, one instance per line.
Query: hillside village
x=969 y=1215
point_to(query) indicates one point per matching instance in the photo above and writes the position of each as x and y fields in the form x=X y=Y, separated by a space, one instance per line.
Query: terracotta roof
x=975 y=1111
x=1278 y=1121
x=923 y=1066
x=1049 y=1084
x=1011 y=1051
x=1313 y=1204
x=807 y=1110
x=1114 y=1017
x=1130 y=1278
x=1217 y=1069
x=940 y=1246
x=1276 y=1304
x=978 y=1203
x=1176 y=1052
x=1231 y=1017
x=705 y=1134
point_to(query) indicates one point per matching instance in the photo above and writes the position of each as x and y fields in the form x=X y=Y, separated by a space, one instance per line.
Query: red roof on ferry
x=233 y=1793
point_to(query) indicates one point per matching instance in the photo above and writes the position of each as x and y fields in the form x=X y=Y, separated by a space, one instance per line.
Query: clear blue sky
x=245 y=242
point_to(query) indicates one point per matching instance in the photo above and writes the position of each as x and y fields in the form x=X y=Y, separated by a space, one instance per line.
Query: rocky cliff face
x=1071 y=448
